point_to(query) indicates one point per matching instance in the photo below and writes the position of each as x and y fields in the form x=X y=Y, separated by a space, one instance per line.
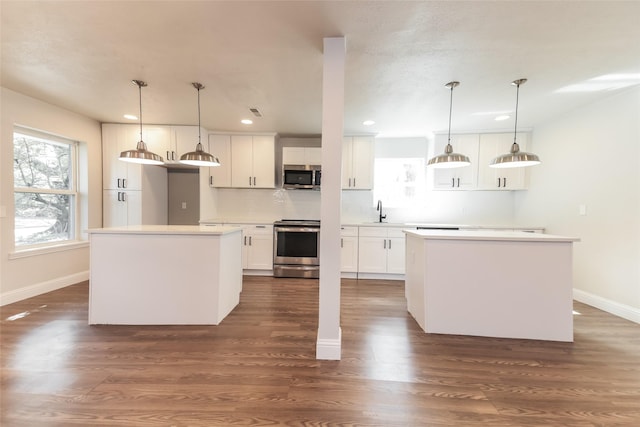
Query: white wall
x=459 y=207
x=591 y=157
x=27 y=276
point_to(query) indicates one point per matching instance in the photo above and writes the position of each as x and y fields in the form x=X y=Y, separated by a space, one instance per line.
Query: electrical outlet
x=184 y=205
x=582 y=210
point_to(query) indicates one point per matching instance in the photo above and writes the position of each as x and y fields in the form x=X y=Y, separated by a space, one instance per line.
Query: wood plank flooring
x=258 y=367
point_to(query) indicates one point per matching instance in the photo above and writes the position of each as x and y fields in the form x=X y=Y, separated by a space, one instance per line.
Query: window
x=45 y=188
x=400 y=182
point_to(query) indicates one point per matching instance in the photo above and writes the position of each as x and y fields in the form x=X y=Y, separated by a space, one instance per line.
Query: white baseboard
x=329 y=349
x=615 y=308
x=42 y=288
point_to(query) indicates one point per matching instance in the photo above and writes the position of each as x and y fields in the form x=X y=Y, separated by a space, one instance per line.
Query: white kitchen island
x=490 y=283
x=164 y=275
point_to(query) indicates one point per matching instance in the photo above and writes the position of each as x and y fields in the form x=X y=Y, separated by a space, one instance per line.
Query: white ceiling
x=82 y=55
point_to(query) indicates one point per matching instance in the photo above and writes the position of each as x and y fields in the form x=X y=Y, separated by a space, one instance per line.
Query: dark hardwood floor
x=258 y=367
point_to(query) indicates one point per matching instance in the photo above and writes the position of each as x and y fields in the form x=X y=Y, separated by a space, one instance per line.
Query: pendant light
x=449 y=159
x=141 y=154
x=515 y=158
x=199 y=157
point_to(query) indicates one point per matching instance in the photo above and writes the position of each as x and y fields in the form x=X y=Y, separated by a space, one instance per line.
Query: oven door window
x=297 y=244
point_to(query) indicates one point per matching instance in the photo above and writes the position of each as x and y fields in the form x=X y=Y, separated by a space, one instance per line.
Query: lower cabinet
x=257 y=247
x=349 y=249
x=381 y=250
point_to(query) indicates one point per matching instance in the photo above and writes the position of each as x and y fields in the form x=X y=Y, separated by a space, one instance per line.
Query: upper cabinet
x=117 y=175
x=246 y=161
x=464 y=178
x=220 y=147
x=184 y=139
x=357 y=163
x=481 y=150
x=301 y=155
x=491 y=146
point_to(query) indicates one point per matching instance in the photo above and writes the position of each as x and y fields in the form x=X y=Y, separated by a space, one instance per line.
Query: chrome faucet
x=379 y=208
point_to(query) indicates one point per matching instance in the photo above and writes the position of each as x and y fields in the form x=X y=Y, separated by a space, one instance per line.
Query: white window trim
x=55 y=246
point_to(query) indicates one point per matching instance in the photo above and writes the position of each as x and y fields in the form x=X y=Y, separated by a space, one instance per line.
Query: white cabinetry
x=183 y=139
x=257 y=246
x=357 y=163
x=220 y=147
x=133 y=194
x=491 y=146
x=381 y=250
x=349 y=249
x=301 y=155
x=464 y=178
x=252 y=161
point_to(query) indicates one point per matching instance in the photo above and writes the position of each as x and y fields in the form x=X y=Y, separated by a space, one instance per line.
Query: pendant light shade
x=515 y=158
x=199 y=157
x=141 y=154
x=449 y=159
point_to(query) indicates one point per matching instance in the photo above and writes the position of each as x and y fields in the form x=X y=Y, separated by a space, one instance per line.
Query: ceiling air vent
x=255 y=112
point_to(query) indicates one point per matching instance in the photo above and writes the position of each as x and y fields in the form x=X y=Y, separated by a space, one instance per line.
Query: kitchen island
x=164 y=275
x=490 y=283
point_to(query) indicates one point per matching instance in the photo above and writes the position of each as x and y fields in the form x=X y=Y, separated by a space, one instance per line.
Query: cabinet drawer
x=372 y=231
x=349 y=231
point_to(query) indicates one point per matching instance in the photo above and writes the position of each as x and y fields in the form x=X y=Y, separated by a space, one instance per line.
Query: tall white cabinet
x=132 y=194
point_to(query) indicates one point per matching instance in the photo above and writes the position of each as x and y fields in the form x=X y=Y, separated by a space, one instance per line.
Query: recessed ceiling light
x=246 y=121
x=502 y=117
x=130 y=117
x=368 y=122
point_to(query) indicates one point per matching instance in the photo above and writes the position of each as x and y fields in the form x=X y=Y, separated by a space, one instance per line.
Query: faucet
x=379 y=208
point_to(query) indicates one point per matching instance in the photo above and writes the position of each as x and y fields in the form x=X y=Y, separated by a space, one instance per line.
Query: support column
x=329 y=342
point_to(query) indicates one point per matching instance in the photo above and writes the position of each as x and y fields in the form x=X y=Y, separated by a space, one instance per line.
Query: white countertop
x=166 y=229
x=489 y=235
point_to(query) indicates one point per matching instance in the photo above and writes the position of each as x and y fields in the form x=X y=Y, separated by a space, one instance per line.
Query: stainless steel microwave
x=301 y=177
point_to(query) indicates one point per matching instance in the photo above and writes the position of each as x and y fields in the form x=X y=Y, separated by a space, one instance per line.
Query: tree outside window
x=44 y=188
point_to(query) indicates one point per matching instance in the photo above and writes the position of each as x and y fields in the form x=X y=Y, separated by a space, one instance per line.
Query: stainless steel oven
x=296 y=248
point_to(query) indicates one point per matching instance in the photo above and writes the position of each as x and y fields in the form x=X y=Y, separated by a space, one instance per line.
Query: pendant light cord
x=515 y=126
x=199 y=140
x=140 y=98
x=450 y=111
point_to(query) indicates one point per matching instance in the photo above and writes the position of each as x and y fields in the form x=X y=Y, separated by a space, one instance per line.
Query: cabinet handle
x=458 y=182
x=384 y=244
x=249 y=181
x=498 y=182
x=254 y=181
x=349 y=183
x=124 y=196
x=341 y=242
x=453 y=182
x=389 y=243
x=245 y=240
x=118 y=183
x=249 y=240
x=124 y=183
x=354 y=181
x=168 y=156
x=118 y=196
x=210 y=180
x=504 y=182
x=173 y=155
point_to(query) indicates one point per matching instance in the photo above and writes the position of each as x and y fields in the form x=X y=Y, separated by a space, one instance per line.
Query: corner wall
x=591 y=162
x=31 y=275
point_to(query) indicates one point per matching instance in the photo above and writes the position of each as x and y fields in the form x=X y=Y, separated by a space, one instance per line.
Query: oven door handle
x=297 y=229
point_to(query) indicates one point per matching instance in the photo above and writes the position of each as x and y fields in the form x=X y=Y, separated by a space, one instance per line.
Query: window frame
x=72 y=192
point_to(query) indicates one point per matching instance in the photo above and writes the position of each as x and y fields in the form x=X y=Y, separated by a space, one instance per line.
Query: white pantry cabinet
x=252 y=161
x=220 y=147
x=116 y=174
x=357 y=163
x=464 y=178
x=348 y=249
x=491 y=146
x=121 y=208
x=381 y=250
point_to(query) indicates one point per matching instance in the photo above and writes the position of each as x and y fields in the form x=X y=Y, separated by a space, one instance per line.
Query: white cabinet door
x=464 y=178
x=241 y=161
x=357 y=163
x=119 y=175
x=349 y=249
x=258 y=247
x=184 y=139
x=381 y=250
x=220 y=147
x=264 y=173
x=121 y=208
x=301 y=155
x=158 y=140
x=491 y=146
